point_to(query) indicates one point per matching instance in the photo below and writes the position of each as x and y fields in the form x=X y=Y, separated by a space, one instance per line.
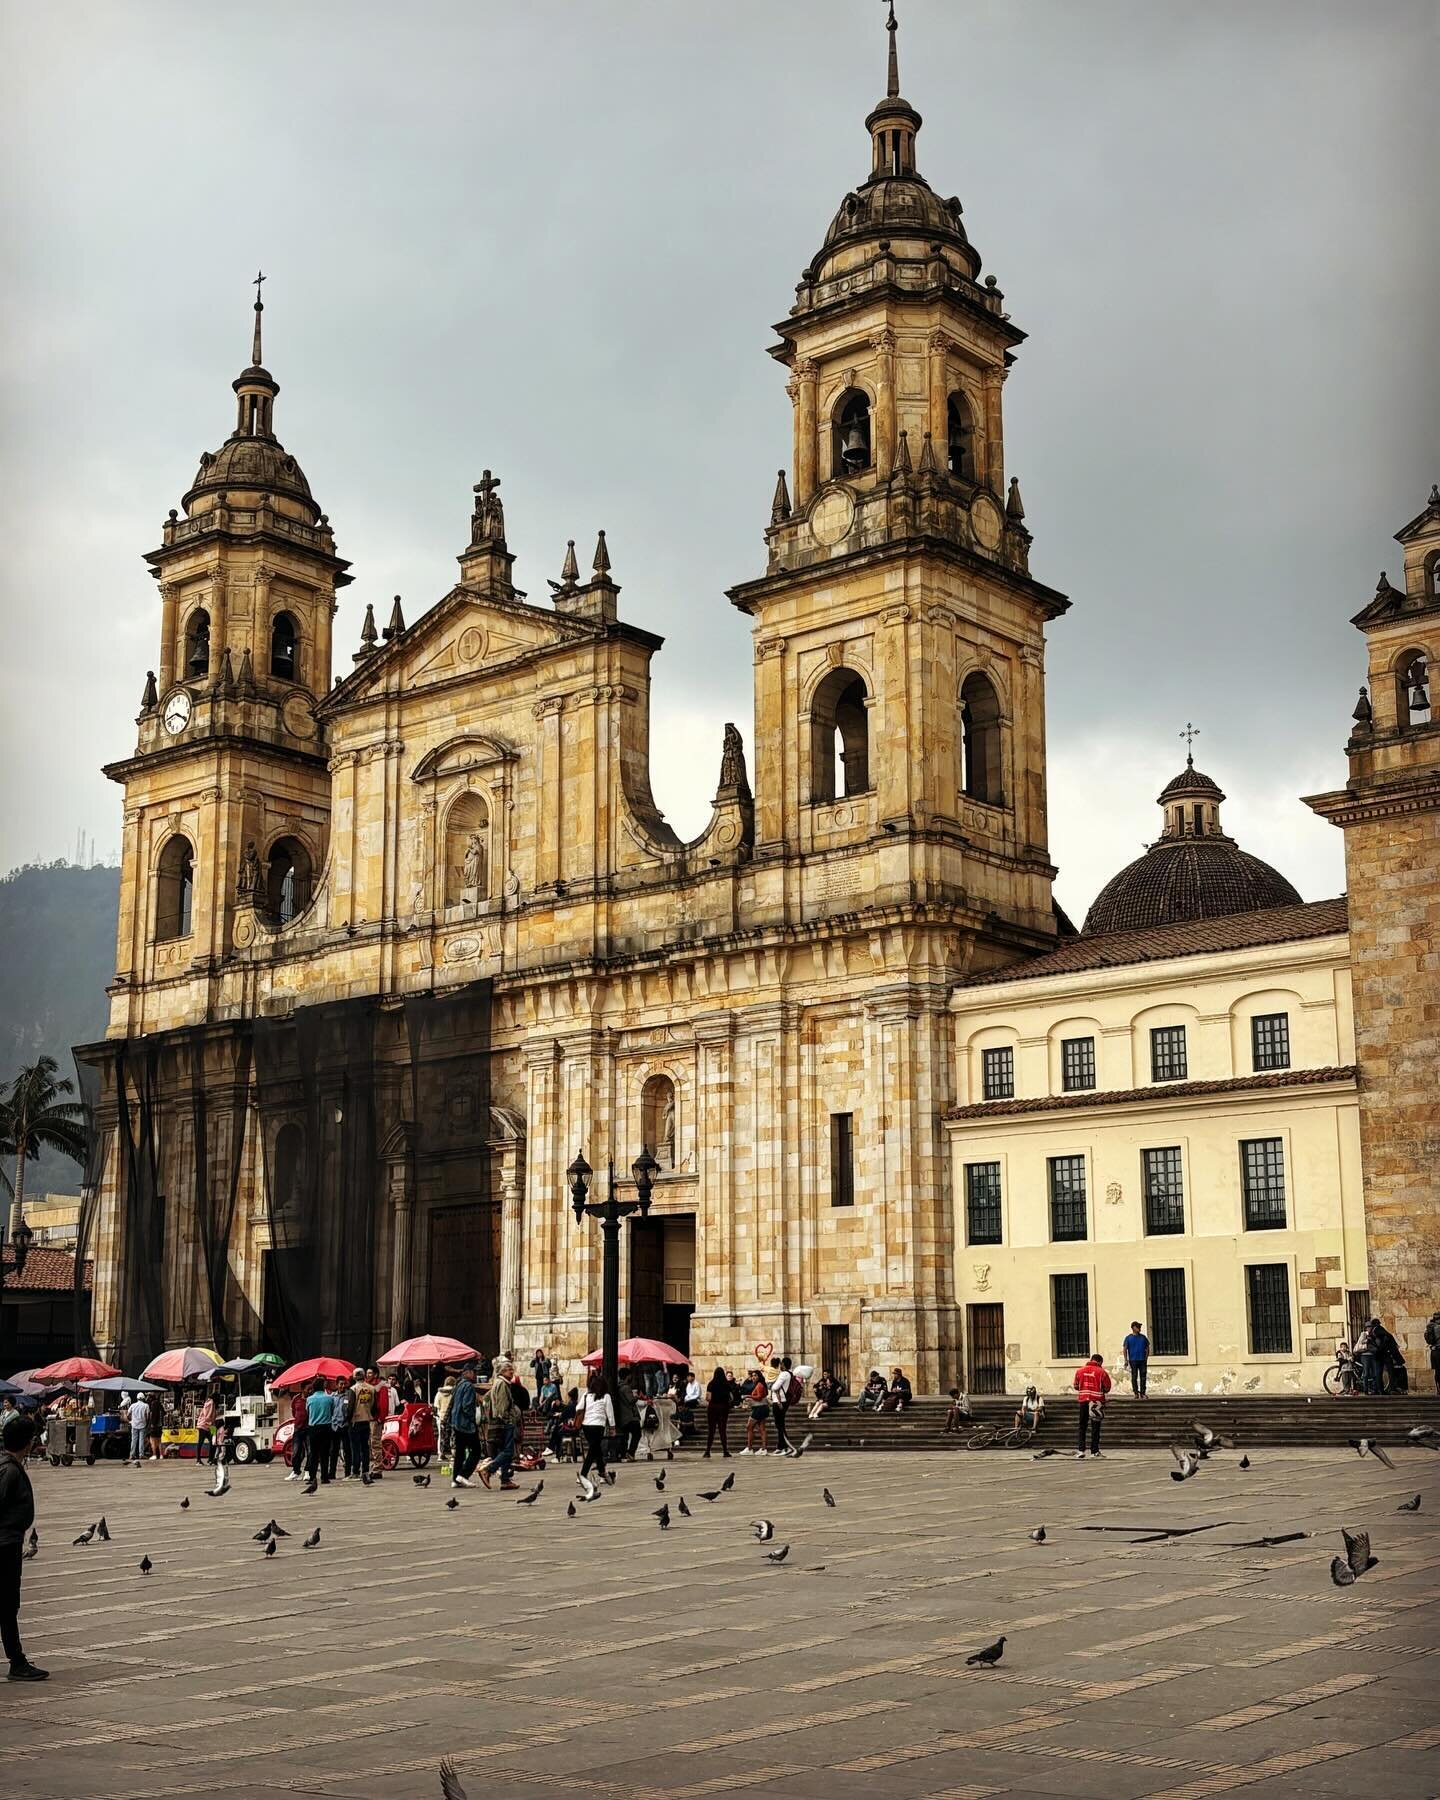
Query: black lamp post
x=610 y=1212
x=20 y=1239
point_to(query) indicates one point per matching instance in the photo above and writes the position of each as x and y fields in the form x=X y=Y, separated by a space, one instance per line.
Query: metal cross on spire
x=260 y=276
x=1190 y=733
x=892 y=84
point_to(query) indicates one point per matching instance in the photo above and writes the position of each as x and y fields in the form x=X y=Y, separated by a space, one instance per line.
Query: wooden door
x=647 y=1278
x=835 y=1352
x=464 y=1275
x=985 y=1343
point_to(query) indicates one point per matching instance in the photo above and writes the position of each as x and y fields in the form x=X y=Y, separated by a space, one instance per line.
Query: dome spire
x=893 y=123
x=1190 y=733
x=255 y=357
x=892 y=83
x=255 y=387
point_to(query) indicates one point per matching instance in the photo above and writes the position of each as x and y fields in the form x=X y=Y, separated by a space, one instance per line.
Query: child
x=1346 y=1360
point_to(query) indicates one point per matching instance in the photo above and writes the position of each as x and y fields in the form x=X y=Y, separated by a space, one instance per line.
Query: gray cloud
x=551 y=238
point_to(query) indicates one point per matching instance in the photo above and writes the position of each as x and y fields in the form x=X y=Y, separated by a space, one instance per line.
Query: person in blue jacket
x=1137 y=1354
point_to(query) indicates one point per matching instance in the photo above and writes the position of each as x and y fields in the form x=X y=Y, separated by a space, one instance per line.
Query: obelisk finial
x=259 y=308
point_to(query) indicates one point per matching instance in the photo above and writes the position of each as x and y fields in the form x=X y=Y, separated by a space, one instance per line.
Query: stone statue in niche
x=248 y=880
x=474 y=866
x=666 y=1149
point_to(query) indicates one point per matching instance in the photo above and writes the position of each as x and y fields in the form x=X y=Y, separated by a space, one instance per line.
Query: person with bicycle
x=1031 y=1410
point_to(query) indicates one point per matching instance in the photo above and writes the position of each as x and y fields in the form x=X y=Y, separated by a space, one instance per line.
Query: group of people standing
x=339 y=1422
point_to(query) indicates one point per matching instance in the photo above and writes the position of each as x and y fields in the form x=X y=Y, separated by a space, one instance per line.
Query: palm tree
x=36 y=1116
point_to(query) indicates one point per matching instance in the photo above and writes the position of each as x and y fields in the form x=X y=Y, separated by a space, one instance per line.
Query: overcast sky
x=552 y=238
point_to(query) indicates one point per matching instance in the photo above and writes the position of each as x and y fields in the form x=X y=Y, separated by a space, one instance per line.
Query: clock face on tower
x=177 y=712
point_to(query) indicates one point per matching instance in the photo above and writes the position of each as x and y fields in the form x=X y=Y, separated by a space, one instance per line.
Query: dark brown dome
x=896 y=206
x=251 y=462
x=1190 y=781
x=1187 y=878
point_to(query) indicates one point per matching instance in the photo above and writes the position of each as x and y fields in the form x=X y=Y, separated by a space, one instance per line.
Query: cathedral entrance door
x=662 y=1278
x=985 y=1334
x=462 y=1294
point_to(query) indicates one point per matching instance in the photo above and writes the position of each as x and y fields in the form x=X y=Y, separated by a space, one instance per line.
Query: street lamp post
x=21 y=1239
x=610 y=1212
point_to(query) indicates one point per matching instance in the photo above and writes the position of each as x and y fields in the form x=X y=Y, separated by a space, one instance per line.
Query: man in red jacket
x=1092 y=1384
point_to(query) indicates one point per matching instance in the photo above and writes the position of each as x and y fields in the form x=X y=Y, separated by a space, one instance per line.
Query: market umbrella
x=122 y=1384
x=315 y=1368
x=270 y=1359
x=428 y=1349
x=189 y=1364
x=639 y=1350
x=74 y=1368
x=8 y=1388
x=237 y=1365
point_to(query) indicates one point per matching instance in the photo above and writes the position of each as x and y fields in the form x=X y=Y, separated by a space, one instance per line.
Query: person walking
x=464 y=1427
x=341 y=1445
x=205 y=1431
x=597 y=1422
x=1092 y=1384
x=377 y=1417
x=757 y=1395
x=501 y=1412
x=1432 y=1338
x=1136 y=1351
x=784 y=1392
x=717 y=1412
x=299 y=1434
x=17 y=1515
x=362 y=1422
x=627 y=1418
x=319 y=1413
x=139 y=1427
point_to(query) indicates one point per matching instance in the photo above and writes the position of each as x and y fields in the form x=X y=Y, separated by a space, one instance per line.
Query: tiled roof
x=1196 y=937
x=1160 y=1090
x=46 y=1271
x=1178 y=879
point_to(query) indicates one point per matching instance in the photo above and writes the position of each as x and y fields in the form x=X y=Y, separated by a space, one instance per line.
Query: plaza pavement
x=598 y=1656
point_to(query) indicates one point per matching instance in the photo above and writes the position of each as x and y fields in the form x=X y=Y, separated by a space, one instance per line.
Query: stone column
x=714 y=1139
x=548 y=821
x=541 y=1288
x=217 y=625
x=776 y=773
x=939 y=347
x=806 y=433
x=167 y=637
x=512 y=1204
x=326 y=606
x=896 y=756
x=883 y=344
x=400 y=1193
x=993 y=473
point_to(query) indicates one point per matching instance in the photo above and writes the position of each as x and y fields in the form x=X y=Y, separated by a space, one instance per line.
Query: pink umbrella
x=315 y=1368
x=180 y=1365
x=74 y=1368
x=427 y=1348
x=639 y=1350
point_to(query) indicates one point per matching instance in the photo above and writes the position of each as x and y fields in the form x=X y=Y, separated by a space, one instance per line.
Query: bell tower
x=1389 y=810
x=227 y=796
x=899 y=635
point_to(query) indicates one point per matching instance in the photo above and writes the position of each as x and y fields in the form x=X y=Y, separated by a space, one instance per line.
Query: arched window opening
x=658 y=1126
x=1432 y=577
x=284 y=648
x=851 y=451
x=175 y=889
x=467 y=850
x=961 y=437
x=1412 y=691
x=197 y=645
x=980 y=740
x=287 y=1171
x=287 y=880
x=840 y=737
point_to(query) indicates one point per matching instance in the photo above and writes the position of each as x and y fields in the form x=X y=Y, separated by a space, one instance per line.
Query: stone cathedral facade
x=402 y=932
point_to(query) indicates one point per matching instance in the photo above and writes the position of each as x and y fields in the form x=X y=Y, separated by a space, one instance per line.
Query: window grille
x=1070 y=1307
x=1169 y=1323
x=1163 y=1178
x=982 y=1203
x=1267 y=1295
x=1067 y=1198
x=997 y=1069
x=842 y=1159
x=1270 y=1040
x=1077 y=1064
x=1262 y=1180
x=1167 y=1053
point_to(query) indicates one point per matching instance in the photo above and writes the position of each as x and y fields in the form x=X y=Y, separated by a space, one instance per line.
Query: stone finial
x=150 y=699
x=928 y=465
x=225 y=678
x=487 y=519
x=369 y=636
x=903 y=465
x=570 y=568
x=245 y=680
x=396 y=627
x=601 y=564
x=1014 y=505
x=1434 y=499
x=1363 y=715
x=780 y=505
x=1383 y=587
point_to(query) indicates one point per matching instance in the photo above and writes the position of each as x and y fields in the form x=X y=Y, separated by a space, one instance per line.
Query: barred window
x=982 y=1203
x=1070 y=1313
x=1262 y=1181
x=1267 y=1301
x=1067 y=1198
x=1163 y=1179
x=1077 y=1064
x=1270 y=1040
x=1167 y=1053
x=1169 y=1322
x=842 y=1159
x=997 y=1068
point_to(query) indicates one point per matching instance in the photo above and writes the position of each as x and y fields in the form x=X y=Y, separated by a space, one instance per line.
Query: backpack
x=651 y=1420
x=759 y=1393
x=795 y=1390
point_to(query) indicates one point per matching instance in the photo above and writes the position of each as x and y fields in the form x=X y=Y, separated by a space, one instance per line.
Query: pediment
x=468 y=750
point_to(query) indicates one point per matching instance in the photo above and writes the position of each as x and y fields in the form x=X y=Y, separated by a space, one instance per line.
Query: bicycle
x=1343 y=1379
x=1009 y=1437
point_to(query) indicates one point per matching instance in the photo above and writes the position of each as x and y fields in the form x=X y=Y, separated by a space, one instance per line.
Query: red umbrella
x=639 y=1350
x=74 y=1368
x=317 y=1368
x=427 y=1349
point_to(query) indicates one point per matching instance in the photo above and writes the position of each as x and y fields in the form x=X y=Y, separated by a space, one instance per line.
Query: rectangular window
x=997 y=1069
x=1262 y=1181
x=842 y=1159
x=1067 y=1198
x=1267 y=1301
x=1070 y=1310
x=982 y=1203
x=1077 y=1064
x=1167 y=1053
x=1270 y=1040
x=1163 y=1180
x=1169 y=1323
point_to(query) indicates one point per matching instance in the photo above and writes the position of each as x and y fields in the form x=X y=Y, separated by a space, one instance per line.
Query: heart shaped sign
x=763 y=1352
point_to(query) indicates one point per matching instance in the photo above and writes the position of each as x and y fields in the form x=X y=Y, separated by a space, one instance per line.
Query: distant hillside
x=57 y=952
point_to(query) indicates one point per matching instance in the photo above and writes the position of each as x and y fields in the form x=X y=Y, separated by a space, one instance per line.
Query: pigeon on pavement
x=588 y=1487
x=102 y=1530
x=763 y=1529
x=989 y=1656
x=84 y=1537
x=146 y=1565
x=610 y=1477
x=660 y=1482
x=530 y=1498
x=1244 y=1462
x=222 y=1482
x=685 y=1512
x=263 y=1535
x=662 y=1513
x=1346 y=1571
x=185 y=1504
x=1427 y=1437
x=421 y=1480
x=713 y=1495
x=805 y=1443
x=1038 y=1535
x=312 y=1540
x=30 y=1551
x=452 y=1505
x=278 y=1530
x=827 y=1496
x=271 y=1547
x=1188 y=1464
x=728 y=1483
x=1409 y=1505
x=1040 y=1455
x=450 y=1788
x=777 y=1556
x=1368 y=1447
x=34 y=1538
x=570 y=1510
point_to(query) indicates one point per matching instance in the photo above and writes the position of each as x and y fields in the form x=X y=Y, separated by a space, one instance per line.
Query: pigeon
x=30 y=1551
x=450 y=1788
x=452 y=1505
x=1038 y=1535
x=1346 y=1571
x=610 y=1477
x=146 y=1565
x=685 y=1512
x=1425 y=1436
x=84 y=1537
x=421 y=1480
x=102 y=1530
x=805 y=1443
x=271 y=1547
x=34 y=1539
x=222 y=1482
x=777 y=1556
x=1368 y=1447
x=570 y=1510
x=313 y=1539
x=1405 y=1506
x=1040 y=1455
x=989 y=1656
x=1205 y=1438
x=1244 y=1462
x=588 y=1487
x=660 y=1482
x=185 y=1504
x=278 y=1530
x=728 y=1483
x=713 y=1495
x=827 y=1496
x=1188 y=1464
x=530 y=1498
x=263 y=1535
x=763 y=1529
x=662 y=1513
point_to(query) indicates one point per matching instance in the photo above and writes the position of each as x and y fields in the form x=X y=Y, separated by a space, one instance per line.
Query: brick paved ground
x=597 y=1656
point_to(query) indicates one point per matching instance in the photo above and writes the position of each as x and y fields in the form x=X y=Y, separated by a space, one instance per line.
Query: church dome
x=889 y=206
x=250 y=462
x=1193 y=871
